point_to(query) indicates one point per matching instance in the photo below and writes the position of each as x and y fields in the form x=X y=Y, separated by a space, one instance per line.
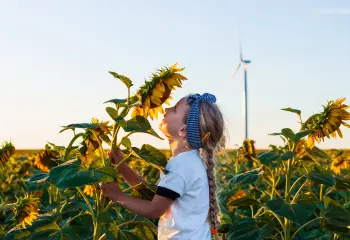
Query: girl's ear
x=182 y=131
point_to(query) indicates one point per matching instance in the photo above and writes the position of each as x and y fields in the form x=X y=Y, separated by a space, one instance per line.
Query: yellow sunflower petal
x=156 y=100
x=94 y=120
x=161 y=110
x=161 y=88
x=167 y=102
x=155 y=113
x=171 y=82
x=157 y=93
x=174 y=66
x=345 y=124
x=310 y=142
x=147 y=105
x=178 y=76
x=346 y=117
x=340 y=100
x=339 y=133
x=151 y=114
x=135 y=112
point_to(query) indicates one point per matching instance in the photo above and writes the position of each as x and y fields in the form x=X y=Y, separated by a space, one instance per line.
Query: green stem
x=311 y=221
x=299 y=190
x=88 y=203
x=277 y=217
x=68 y=149
x=115 y=134
x=96 y=199
x=273 y=189
x=301 y=121
x=128 y=95
x=94 y=220
x=128 y=222
x=287 y=189
x=282 y=238
x=294 y=184
x=103 y=236
x=258 y=212
x=71 y=219
x=321 y=192
x=122 y=161
x=64 y=204
x=109 y=205
x=252 y=210
x=6 y=207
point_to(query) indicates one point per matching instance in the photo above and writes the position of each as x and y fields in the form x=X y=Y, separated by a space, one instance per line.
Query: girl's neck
x=178 y=147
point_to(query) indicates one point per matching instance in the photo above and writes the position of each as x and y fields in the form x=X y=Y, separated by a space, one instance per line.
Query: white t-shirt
x=187 y=184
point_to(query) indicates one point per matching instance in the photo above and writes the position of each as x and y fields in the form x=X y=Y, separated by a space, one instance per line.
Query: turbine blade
x=239 y=65
x=240 y=52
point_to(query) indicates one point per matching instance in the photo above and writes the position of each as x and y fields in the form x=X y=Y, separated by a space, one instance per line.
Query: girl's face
x=173 y=125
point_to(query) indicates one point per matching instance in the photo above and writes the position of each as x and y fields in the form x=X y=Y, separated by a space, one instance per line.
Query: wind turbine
x=245 y=65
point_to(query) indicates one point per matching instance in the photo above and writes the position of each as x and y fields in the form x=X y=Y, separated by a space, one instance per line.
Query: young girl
x=185 y=200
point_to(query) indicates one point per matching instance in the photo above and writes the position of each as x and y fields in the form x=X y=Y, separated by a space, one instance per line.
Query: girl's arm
x=149 y=209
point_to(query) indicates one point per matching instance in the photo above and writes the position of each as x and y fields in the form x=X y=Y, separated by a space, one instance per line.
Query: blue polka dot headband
x=193 y=135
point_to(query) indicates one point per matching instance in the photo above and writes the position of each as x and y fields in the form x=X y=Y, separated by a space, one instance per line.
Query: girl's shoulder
x=188 y=164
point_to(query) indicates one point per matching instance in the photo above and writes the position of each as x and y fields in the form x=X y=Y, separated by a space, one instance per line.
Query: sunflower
x=339 y=162
x=247 y=151
x=328 y=122
x=300 y=148
x=44 y=160
x=89 y=190
x=93 y=138
x=157 y=91
x=26 y=210
x=6 y=151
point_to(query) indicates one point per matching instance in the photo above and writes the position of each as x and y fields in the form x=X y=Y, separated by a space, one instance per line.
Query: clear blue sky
x=55 y=57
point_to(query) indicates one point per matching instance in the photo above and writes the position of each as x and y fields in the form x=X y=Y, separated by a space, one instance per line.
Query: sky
x=55 y=57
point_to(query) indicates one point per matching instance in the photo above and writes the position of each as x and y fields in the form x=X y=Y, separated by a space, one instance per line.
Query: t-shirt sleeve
x=171 y=185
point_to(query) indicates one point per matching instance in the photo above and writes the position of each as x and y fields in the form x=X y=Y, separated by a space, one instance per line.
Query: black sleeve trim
x=166 y=192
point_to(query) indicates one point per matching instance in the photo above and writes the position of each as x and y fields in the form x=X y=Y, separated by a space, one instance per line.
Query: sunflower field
x=293 y=191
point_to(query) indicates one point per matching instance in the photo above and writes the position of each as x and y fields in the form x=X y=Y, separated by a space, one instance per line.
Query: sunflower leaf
x=151 y=155
x=288 y=133
x=335 y=214
x=287 y=155
x=298 y=212
x=321 y=176
x=300 y=135
x=246 y=177
x=116 y=101
x=244 y=201
x=124 y=79
x=80 y=125
x=292 y=110
x=73 y=174
x=126 y=142
x=112 y=112
x=268 y=157
x=137 y=124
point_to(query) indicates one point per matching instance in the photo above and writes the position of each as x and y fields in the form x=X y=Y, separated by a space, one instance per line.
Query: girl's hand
x=112 y=191
x=116 y=156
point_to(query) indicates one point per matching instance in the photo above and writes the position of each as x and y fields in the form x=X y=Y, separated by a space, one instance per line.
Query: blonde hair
x=212 y=126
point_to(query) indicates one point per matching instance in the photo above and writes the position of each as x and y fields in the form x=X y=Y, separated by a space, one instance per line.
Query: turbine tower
x=245 y=65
